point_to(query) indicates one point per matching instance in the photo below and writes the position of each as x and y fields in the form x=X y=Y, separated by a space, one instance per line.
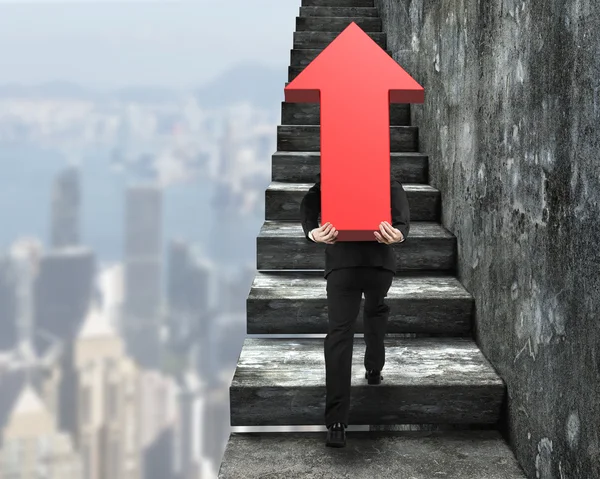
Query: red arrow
x=355 y=81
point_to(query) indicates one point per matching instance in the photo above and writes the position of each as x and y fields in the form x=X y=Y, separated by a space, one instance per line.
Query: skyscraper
x=25 y=255
x=188 y=431
x=227 y=204
x=158 y=410
x=63 y=290
x=33 y=445
x=189 y=288
x=227 y=150
x=16 y=371
x=66 y=204
x=8 y=304
x=143 y=267
x=108 y=398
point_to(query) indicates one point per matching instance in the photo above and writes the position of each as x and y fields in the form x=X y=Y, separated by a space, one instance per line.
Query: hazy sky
x=117 y=43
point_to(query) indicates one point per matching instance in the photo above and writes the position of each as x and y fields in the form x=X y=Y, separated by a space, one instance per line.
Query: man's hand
x=388 y=234
x=325 y=234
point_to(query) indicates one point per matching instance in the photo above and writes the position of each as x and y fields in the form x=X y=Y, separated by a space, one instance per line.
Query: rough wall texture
x=511 y=122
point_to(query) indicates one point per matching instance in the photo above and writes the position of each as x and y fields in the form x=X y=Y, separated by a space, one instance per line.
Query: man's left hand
x=388 y=234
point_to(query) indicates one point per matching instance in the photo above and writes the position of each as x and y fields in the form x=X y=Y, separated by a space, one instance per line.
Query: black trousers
x=345 y=288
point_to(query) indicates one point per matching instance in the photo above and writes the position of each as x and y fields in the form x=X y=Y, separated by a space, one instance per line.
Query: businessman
x=351 y=269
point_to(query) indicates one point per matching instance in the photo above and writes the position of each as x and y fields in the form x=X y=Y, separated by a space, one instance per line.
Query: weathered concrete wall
x=512 y=126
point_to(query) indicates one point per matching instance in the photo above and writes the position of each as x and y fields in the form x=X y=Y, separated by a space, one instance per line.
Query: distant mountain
x=143 y=94
x=255 y=83
x=260 y=85
x=60 y=90
x=55 y=89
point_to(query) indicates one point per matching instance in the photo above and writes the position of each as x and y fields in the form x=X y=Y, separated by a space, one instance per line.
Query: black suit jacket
x=348 y=254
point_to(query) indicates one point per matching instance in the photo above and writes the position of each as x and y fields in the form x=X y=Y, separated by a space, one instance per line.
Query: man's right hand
x=325 y=234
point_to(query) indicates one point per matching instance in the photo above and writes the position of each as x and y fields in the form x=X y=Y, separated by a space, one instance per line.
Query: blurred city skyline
x=135 y=150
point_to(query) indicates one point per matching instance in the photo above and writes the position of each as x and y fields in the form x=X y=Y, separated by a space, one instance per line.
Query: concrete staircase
x=436 y=412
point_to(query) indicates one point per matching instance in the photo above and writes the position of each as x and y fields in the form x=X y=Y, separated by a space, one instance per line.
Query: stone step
x=339 y=12
x=283 y=201
x=310 y=114
x=452 y=454
x=322 y=39
x=338 y=3
x=425 y=381
x=308 y=138
x=296 y=303
x=336 y=24
x=302 y=166
x=283 y=245
x=293 y=72
x=301 y=58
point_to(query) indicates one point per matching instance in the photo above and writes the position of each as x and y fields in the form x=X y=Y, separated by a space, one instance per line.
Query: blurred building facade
x=108 y=400
x=65 y=209
x=32 y=444
x=189 y=288
x=88 y=339
x=64 y=288
x=25 y=254
x=188 y=455
x=143 y=273
x=224 y=246
x=9 y=333
x=158 y=409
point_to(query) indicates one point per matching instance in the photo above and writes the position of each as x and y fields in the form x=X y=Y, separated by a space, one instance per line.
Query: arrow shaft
x=355 y=159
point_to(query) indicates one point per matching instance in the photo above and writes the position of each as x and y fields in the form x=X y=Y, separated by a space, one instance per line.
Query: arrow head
x=353 y=62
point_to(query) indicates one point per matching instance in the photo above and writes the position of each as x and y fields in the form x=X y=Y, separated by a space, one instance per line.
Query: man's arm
x=400 y=210
x=310 y=209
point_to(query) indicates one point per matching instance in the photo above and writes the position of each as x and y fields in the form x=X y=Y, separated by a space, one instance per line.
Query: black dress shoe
x=336 y=435
x=373 y=376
